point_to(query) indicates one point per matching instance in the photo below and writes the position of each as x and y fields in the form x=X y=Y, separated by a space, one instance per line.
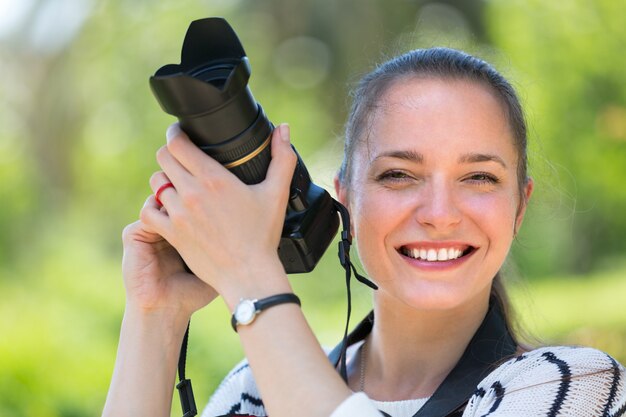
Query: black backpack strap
x=491 y=344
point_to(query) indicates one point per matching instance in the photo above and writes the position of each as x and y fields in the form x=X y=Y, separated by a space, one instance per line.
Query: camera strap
x=491 y=344
x=346 y=263
x=185 y=391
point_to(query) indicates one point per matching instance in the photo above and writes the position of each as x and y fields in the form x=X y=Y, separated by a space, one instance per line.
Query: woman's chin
x=431 y=296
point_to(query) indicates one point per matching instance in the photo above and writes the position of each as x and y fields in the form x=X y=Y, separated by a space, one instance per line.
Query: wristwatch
x=247 y=309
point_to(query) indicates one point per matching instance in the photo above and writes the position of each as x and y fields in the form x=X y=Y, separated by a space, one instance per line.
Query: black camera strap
x=185 y=391
x=346 y=263
x=491 y=344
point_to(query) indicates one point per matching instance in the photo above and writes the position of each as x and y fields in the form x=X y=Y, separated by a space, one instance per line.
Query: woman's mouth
x=439 y=254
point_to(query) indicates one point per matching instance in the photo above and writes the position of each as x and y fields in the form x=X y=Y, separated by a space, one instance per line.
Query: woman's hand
x=228 y=234
x=161 y=296
x=226 y=231
x=154 y=274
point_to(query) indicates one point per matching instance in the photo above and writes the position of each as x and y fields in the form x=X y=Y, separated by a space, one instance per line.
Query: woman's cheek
x=493 y=207
x=381 y=215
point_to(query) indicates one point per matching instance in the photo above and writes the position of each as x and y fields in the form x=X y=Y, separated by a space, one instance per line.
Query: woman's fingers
x=161 y=187
x=282 y=166
x=189 y=156
x=175 y=171
x=205 y=196
x=156 y=221
x=181 y=159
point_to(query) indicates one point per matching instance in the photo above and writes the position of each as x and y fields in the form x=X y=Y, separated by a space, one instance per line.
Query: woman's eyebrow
x=408 y=155
x=417 y=157
x=469 y=158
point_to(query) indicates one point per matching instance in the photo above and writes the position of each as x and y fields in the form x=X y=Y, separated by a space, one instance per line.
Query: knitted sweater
x=550 y=381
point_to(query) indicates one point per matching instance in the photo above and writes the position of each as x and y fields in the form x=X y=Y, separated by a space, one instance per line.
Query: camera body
x=208 y=92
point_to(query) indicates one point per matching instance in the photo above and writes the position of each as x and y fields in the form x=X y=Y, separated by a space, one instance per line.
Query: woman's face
x=433 y=193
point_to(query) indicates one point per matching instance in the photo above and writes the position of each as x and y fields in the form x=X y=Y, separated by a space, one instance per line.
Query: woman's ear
x=342 y=196
x=528 y=192
x=340 y=191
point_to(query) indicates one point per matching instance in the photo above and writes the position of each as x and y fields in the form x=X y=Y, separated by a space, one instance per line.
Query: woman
x=434 y=176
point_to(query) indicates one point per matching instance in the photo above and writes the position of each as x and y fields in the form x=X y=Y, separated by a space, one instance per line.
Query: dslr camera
x=208 y=92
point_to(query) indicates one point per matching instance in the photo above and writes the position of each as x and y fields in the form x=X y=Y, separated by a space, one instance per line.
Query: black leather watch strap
x=265 y=303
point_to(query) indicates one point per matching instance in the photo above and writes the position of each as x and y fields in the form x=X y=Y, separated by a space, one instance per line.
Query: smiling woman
x=435 y=179
x=435 y=176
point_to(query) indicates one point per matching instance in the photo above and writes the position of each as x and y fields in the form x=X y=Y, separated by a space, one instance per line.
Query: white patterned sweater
x=549 y=381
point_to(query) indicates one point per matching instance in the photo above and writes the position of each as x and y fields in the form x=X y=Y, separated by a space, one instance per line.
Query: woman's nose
x=437 y=208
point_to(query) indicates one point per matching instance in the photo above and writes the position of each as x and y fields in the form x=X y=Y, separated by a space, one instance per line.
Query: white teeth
x=433 y=255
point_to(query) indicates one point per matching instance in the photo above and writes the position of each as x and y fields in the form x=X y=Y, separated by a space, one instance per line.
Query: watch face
x=245 y=311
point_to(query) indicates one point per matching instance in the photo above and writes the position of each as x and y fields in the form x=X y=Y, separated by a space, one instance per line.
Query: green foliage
x=79 y=129
x=570 y=64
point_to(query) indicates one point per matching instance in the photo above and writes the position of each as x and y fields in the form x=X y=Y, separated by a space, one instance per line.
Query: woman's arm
x=160 y=298
x=293 y=374
x=145 y=368
x=228 y=234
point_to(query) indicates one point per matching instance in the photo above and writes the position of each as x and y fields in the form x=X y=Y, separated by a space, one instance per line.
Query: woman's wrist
x=259 y=281
x=167 y=322
x=145 y=367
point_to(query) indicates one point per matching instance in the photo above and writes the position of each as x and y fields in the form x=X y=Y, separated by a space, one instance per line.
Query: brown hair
x=442 y=63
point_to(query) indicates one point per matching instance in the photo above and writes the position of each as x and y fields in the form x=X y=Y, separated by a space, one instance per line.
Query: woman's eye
x=483 y=178
x=393 y=176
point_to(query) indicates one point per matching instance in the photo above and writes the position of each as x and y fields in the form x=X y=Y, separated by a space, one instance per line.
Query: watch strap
x=265 y=303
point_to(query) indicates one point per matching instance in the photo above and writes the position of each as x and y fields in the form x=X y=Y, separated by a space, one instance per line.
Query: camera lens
x=208 y=93
x=216 y=76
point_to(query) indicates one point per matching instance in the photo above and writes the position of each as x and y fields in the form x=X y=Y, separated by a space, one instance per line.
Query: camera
x=208 y=92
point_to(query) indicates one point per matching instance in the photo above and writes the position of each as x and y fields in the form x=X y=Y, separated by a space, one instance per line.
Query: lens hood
x=210 y=39
x=213 y=71
x=206 y=40
x=208 y=91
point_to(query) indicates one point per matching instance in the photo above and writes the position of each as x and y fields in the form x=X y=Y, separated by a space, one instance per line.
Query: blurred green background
x=79 y=129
